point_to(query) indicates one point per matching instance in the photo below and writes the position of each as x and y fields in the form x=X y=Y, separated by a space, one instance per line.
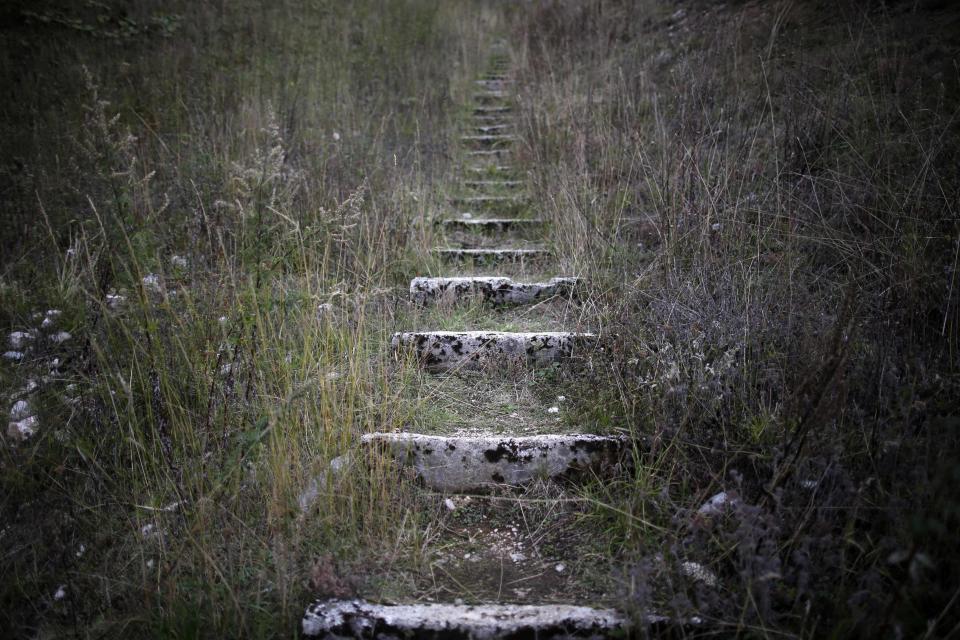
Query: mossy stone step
x=486 y=200
x=494 y=289
x=453 y=350
x=491 y=140
x=491 y=109
x=492 y=128
x=464 y=463
x=492 y=184
x=361 y=619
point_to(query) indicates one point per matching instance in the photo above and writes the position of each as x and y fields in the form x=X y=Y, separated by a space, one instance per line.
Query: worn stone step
x=487 y=200
x=493 y=83
x=446 y=350
x=489 y=140
x=486 y=168
x=490 y=97
x=488 y=153
x=493 y=118
x=465 y=463
x=491 y=225
x=491 y=109
x=494 y=289
x=492 y=184
x=492 y=128
x=362 y=619
x=492 y=256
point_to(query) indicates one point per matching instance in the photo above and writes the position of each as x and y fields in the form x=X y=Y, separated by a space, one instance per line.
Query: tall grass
x=782 y=315
x=225 y=168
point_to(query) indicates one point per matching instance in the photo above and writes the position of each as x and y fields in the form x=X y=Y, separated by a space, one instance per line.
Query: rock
x=325 y=312
x=309 y=495
x=20 y=410
x=717 y=504
x=699 y=573
x=14 y=356
x=361 y=619
x=50 y=317
x=19 y=339
x=115 y=301
x=23 y=430
x=179 y=262
x=493 y=255
x=151 y=282
x=60 y=337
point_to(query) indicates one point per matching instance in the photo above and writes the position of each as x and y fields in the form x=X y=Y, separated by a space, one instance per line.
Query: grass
x=760 y=198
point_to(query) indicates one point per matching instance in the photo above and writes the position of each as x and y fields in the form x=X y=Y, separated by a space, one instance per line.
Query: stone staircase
x=496 y=260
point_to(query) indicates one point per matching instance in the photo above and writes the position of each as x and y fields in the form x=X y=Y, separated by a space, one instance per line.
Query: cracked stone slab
x=493 y=255
x=491 y=225
x=362 y=619
x=497 y=290
x=462 y=463
x=445 y=350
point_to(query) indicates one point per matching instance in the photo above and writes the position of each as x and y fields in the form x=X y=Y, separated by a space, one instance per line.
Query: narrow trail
x=510 y=560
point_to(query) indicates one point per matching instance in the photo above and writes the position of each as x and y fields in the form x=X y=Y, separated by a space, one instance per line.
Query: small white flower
x=18 y=339
x=517 y=557
x=81 y=550
x=151 y=281
x=61 y=593
x=23 y=429
x=553 y=410
x=60 y=337
x=178 y=262
x=560 y=567
x=716 y=226
x=336 y=136
x=561 y=398
x=698 y=572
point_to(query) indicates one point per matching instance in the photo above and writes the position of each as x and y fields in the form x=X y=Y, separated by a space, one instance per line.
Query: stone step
x=491 y=225
x=495 y=83
x=486 y=201
x=465 y=463
x=362 y=619
x=493 y=128
x=490 y=109
x=491 y=256
x=446 y=350
x=492 y=184
x=494 y=289
x=486 y=168
x=488 y=153
x=490 y=96
x=493 y=118
x=489 y=140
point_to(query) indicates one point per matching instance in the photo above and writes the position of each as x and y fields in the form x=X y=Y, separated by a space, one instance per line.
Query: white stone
x=50 y=317
x=716 y=504
x=493 y=255
x=454 y=350
x=60 y=593
x=449 y=504
x=23 y=429
x=517 y=557
x=115 y=301
x=553 y=410
x=151 y=281
x=358 y=618
x=464 y=463
x=60 y=337
x=19 y=339
x=698 y=572
x=20 y=410
x=560 y=567
x=13 y=355
x=179 y=262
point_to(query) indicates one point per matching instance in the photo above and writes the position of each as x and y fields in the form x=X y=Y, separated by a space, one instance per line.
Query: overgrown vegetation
x=786 y=315
x=760 y=195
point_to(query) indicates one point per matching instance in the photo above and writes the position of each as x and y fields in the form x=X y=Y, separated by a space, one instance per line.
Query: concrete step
x=494 y=289
x=491 y=225
x=490 y=140
x=492 y=128
x=492 y=184
x=362 y=619
x=486 y=201
x=446 y=350
x=486 y=168
x=493 y=256
x=465 y=463
x=491 y=109
x=488 y=153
